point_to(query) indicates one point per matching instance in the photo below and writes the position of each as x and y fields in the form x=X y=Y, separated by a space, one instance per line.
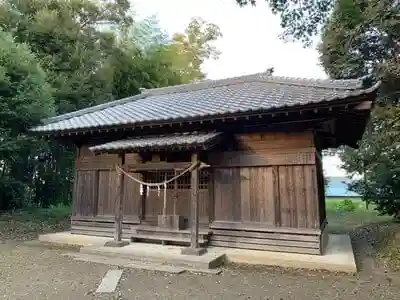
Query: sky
x=250 y=42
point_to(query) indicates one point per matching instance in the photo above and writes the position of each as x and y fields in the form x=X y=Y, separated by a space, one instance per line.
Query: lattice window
x=204 y=178
x=159 y=176
x=183 y=182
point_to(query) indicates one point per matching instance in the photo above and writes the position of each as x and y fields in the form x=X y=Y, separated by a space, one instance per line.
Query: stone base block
x=193 y=251
x=171 y=221
x=115 y=243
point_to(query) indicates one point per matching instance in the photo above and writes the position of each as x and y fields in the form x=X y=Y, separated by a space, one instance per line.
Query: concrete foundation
x=339 y=256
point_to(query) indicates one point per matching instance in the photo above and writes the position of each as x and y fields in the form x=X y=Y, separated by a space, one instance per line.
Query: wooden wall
x=266 y=191
x=95 y=188
x=94 y=193
x=275 y=196
x=270 y=183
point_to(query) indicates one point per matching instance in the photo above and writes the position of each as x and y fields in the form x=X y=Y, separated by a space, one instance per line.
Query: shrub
x=346 y=205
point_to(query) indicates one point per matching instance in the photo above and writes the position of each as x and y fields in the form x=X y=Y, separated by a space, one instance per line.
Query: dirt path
x=28 y=272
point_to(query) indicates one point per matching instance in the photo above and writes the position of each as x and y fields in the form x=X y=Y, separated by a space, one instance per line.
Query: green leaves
x=25 y=98
x=92 y=52
x=300 y=19
x=362 y=37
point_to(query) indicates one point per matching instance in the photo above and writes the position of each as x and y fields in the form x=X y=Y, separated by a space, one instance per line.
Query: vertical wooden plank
x=321 y=189
x=132 y=198
x=262 y=200
x=315 y=192
x=104 y=186
x=96 y=185
x=211 y=193
x=270 y=205
x=310 y=196
x=224 y=194
x=245 y=194
x=75 y=198
x=175 y=194
x=236 y=194
x=292 y=189
x=276 y=196
x=112 y=192
x=284 y=196
x=253 y=194
x=87 y=197
x=300 y=197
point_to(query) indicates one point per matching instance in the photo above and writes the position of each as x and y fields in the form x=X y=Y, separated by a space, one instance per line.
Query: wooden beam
x=365 y=105
x=262 y=159
x=155 y=166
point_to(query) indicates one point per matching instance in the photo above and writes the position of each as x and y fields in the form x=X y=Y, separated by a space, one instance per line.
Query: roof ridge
x=342 y=84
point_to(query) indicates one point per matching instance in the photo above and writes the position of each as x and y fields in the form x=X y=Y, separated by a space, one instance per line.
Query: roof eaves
x=350 y=94
x=91 y=109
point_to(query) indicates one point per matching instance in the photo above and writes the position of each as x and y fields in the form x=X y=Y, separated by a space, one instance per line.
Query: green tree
x=300 y=19
x=363 y=38
x=25 y=98
x=187 y=51
x=67 y=36
x=73 y=42
x=93 y=52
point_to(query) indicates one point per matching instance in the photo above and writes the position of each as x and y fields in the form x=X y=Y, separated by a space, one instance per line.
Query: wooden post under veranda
x=118 y=206
x=194 y=248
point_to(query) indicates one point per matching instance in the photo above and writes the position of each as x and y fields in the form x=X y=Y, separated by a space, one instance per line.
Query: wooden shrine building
x=245 y=151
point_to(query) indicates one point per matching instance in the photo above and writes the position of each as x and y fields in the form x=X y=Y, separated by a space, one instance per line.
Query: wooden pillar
x=194 y=209
x=119 y=207
x=194 y=248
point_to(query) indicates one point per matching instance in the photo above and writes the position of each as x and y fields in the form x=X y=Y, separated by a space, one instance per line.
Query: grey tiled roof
x=211 y=98
x=181 y=140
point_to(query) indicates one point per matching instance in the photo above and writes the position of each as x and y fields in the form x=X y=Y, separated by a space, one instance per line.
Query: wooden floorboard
x=245 y=241
x=266 y=247
x=267 y=235
x=260 y=227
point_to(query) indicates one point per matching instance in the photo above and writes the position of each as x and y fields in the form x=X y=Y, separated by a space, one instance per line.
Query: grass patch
x=379 y=231
x=340 y=221
x=29 y=223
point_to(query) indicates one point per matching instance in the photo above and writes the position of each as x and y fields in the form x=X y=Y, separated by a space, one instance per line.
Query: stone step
x=158 y=254
x=140 y=265
x=157 y=229
x=126 y=263
x=160 y=237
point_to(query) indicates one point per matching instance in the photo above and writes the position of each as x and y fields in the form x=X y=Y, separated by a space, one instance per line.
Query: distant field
x=342 y=198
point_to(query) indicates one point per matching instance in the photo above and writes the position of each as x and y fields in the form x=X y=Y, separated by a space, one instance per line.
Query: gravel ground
x=33 y=272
